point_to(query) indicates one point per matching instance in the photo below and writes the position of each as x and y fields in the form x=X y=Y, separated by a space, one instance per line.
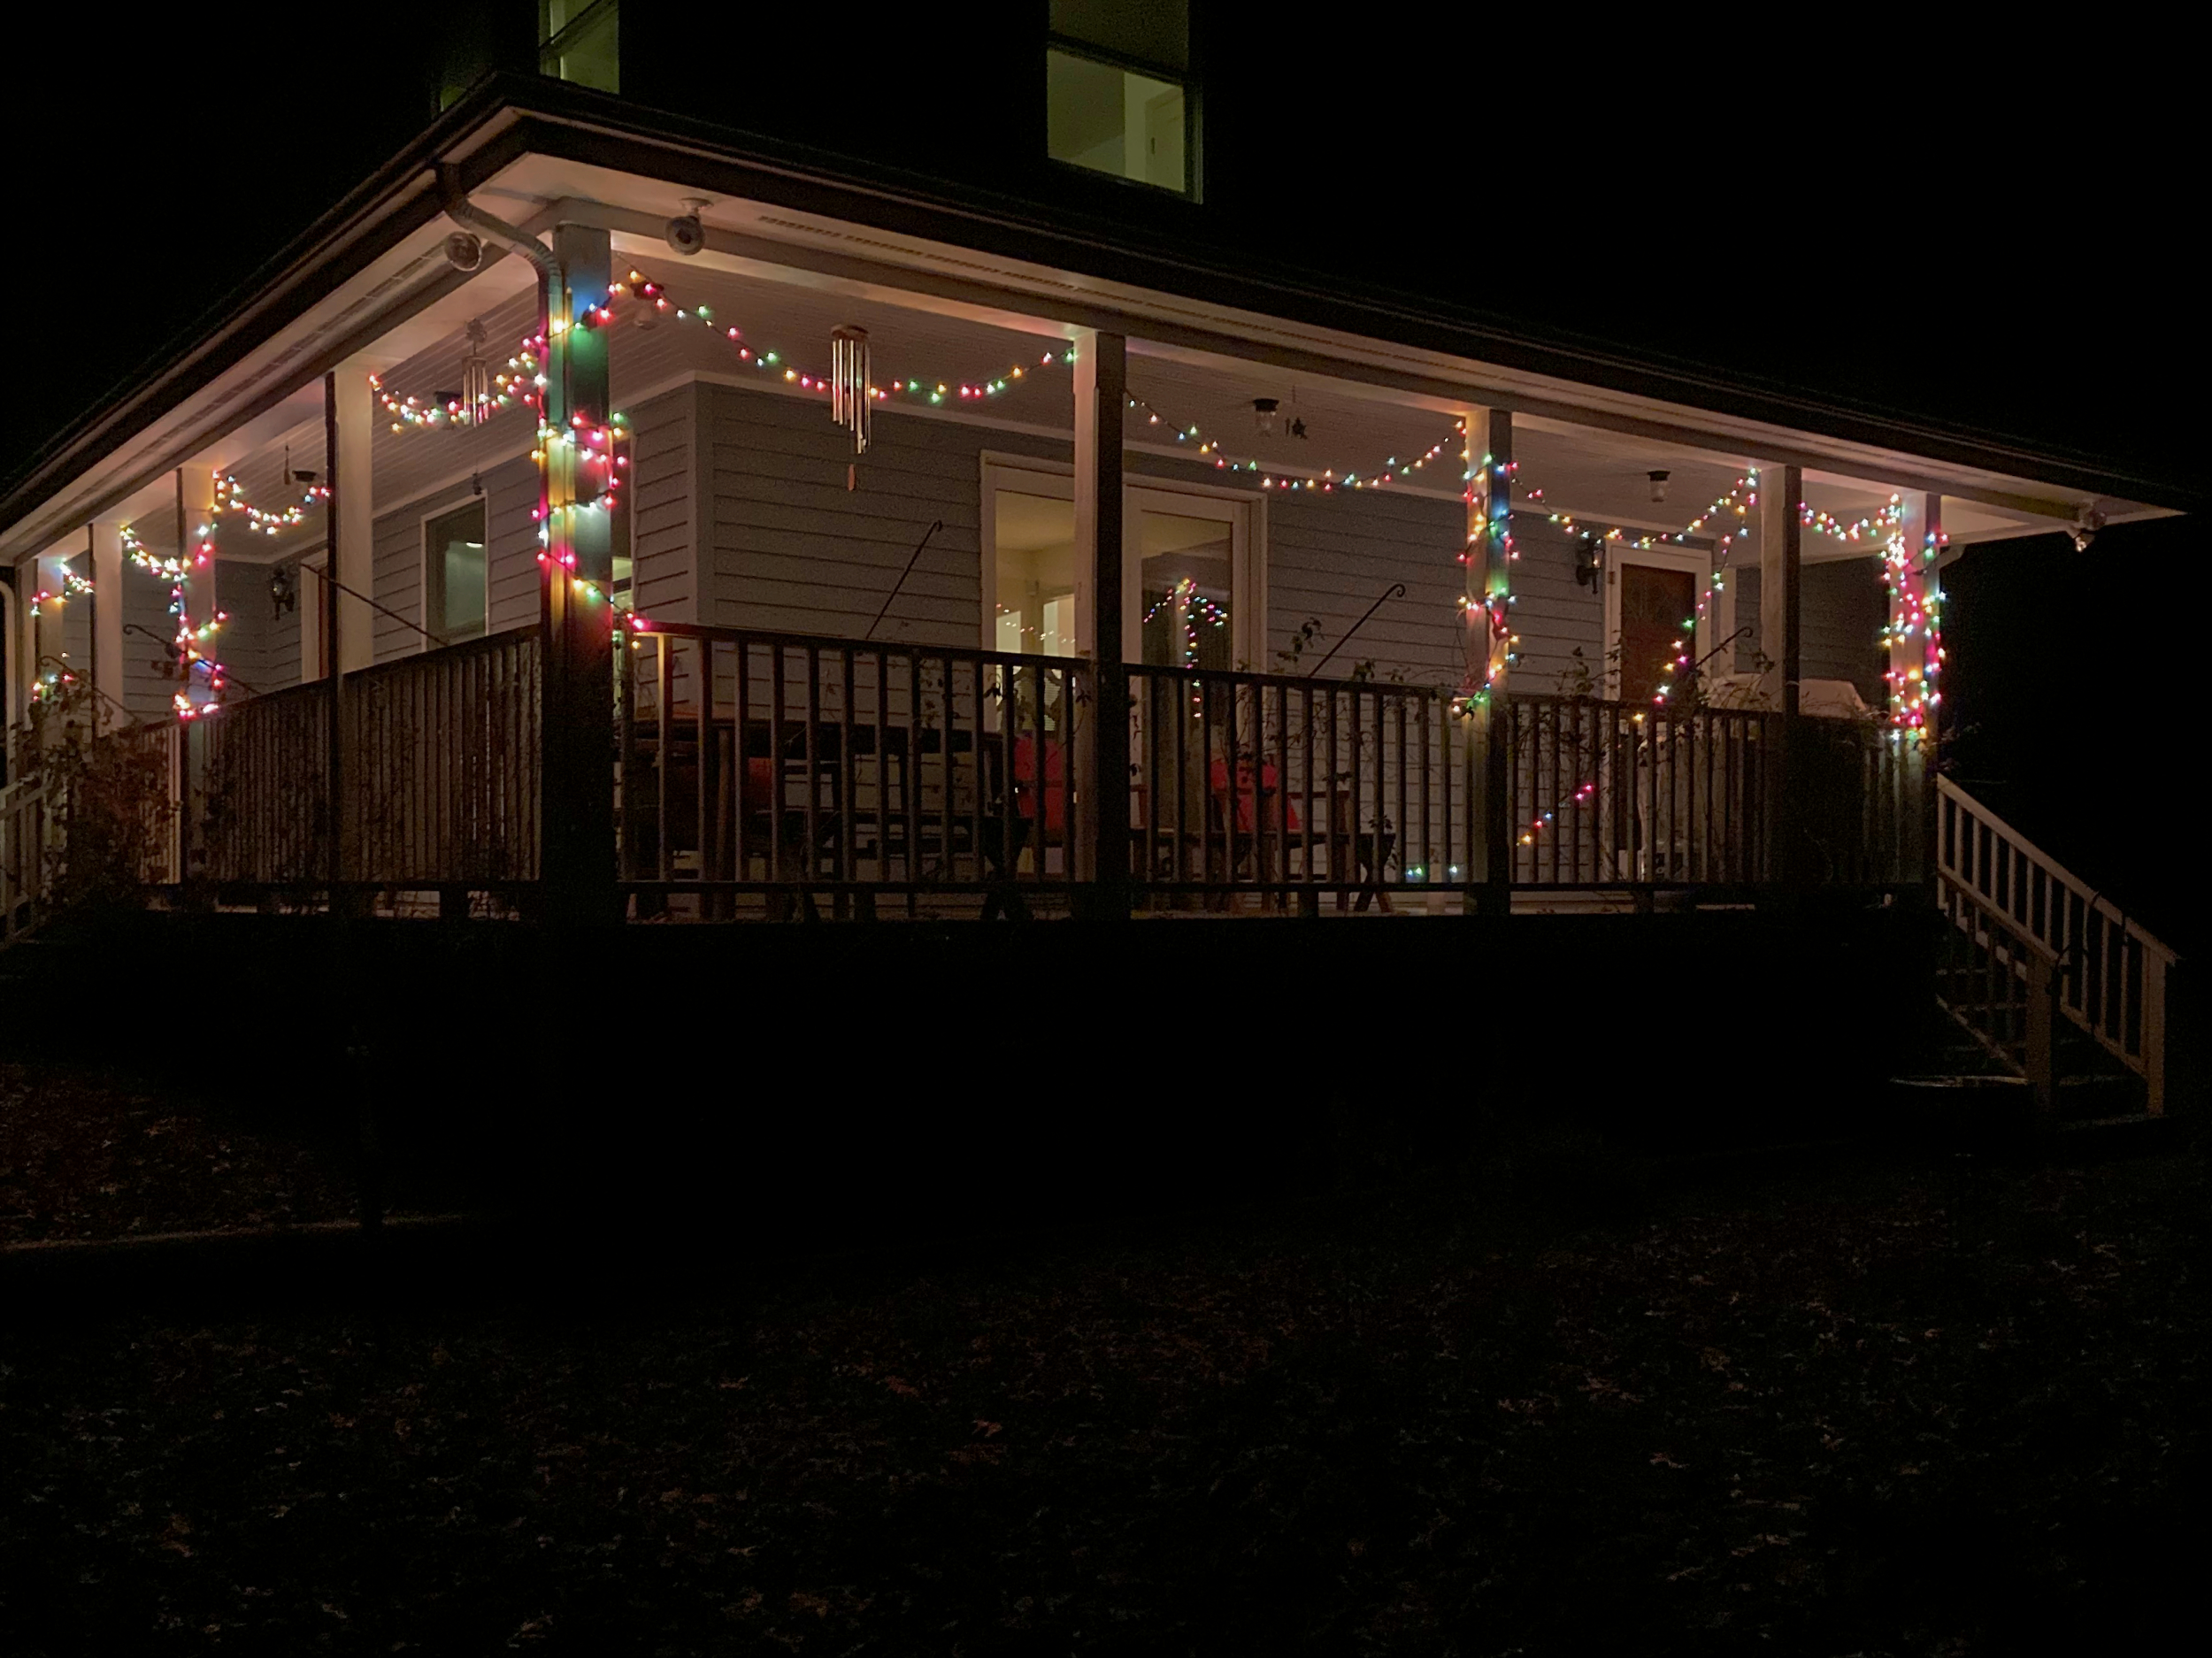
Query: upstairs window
x=1118 y=94
x=580 y=41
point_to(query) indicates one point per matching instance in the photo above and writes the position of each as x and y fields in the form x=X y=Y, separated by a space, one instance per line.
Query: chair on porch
x=1251 y=819
x=1032 y=777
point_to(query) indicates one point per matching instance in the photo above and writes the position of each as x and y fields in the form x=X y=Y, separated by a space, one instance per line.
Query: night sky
x=1995 y=239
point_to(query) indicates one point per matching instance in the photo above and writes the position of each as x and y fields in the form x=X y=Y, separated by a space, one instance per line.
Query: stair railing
x=2115 y=975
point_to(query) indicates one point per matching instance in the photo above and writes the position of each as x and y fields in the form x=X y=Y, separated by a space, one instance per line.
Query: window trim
x=1185 y=80
x=422 y=574
x=551 y=46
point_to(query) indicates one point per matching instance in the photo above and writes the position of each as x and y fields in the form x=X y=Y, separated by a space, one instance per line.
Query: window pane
x=453 y=574
x=1034 y=536
x=1184 y=581
x=1116 y=121
x=580 y=42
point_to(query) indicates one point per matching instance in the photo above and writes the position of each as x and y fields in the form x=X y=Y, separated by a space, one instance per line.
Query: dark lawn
x=87 y=1155
x=1945 y=1408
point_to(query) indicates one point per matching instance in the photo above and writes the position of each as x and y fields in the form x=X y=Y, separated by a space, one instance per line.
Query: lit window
x=453 y=574
x=580 y=41
x=1118 y=95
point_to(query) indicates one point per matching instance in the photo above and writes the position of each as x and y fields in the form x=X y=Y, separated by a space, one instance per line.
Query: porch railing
x=24 y=837
x=1281 y=785
x=2113 y=975
x=1607 y=794
x=441 y=775
x=759 y=762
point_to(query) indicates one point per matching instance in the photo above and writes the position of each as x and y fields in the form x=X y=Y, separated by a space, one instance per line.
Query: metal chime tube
x=849 y=384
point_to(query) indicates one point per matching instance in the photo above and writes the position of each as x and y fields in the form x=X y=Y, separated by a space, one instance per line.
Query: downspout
x=463 y=212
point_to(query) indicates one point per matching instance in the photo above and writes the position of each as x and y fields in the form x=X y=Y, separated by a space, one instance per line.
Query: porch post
x=1487 y=606
x=1915 y=640
x=1781 y=579
x=1102 y=391
x=348 y=644
x=107 y=615
x=575 y=590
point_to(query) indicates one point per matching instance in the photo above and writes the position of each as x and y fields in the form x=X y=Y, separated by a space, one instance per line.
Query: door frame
x=1696 y=561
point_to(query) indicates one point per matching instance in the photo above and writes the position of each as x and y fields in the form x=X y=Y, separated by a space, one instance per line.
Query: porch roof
x=370 y=279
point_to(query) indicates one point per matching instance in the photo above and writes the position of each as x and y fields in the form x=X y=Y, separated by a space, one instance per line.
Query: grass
x=1938 y=1409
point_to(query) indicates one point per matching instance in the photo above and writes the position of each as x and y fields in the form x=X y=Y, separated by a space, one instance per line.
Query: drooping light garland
x=193 y=644
x=230 y=497
x=516 y=386
x=640 y=288
x=1274 y=475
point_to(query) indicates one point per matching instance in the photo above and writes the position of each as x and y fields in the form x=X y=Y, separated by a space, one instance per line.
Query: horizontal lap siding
x=247 y=638
x=1330 y=556
x=1845 y=605
x=510 y=496
x=1842 y=605
x=147 y=690
x=1555 y=616
x=794 y=550
x=663 y=438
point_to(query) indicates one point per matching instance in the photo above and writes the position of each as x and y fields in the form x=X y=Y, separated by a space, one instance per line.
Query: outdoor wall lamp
x=1658 y=485
x=1264 y=412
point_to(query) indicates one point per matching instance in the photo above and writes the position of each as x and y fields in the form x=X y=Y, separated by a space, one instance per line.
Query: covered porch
x=1389 y=635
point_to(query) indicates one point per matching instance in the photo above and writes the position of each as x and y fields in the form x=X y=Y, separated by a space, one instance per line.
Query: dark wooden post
x=1781 y=580
x=1101 y=392
x=576 y=588
x=1489 y=648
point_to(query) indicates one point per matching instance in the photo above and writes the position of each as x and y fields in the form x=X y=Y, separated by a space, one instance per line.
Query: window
x=580 y=41
x=1118 y=95
x=1193 y=584
x=453 y=590
x=1035 y=542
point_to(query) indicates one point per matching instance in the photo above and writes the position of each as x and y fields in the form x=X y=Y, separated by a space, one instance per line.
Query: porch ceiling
x=785 y=276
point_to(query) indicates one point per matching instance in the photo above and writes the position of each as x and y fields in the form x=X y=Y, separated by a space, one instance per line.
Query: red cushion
x=1056 y=778
x=1281 y=813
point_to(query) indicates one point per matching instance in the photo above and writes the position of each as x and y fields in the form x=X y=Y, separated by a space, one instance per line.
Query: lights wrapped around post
x=850 y=391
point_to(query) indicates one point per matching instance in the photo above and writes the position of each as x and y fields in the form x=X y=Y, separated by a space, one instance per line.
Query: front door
x=1654 y=604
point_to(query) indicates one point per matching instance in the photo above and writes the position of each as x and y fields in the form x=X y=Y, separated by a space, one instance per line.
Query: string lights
x=517 y=385
x=1913 y=636
x=231 y=498
x=193 y=644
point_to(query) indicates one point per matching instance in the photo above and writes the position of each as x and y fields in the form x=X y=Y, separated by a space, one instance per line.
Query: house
x=602 y=512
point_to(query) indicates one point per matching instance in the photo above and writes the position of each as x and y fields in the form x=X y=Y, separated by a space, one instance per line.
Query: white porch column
x=1781 y=578
x=1488 y=609
x=1781 y=647
x=1101 y=393
x=353 y=518
x=107 y=616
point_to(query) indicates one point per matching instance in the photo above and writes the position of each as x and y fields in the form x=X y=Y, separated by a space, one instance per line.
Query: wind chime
x=476 y=376
x=850 y=405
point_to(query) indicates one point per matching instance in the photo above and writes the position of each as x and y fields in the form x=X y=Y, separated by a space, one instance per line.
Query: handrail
x=2023 y=847
x=2113 y=973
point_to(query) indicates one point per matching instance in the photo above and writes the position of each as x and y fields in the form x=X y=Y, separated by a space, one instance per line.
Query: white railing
x=24 y=856
x=2114 y=974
